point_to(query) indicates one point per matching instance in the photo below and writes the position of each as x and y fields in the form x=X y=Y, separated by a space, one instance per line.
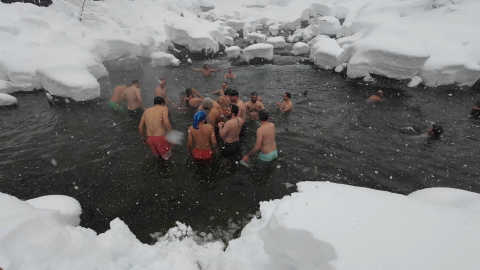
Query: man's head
x=198 y=118
x=188 y=92
x=380 y=93
x=233 y=94
x=207 y=103
x=435 y=131
x=287 y=96
x=232 y=110
x=162 y=82
x=253 y=97
x=230 y=70
x=206 y=66
x=224 y=85
x=136 y=83
x=263 y=115
x=227 y=91
x=158 y=101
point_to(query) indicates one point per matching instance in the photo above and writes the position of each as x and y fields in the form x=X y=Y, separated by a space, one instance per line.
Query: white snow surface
x=333 y=226
x=7 y=100
x=261 y=50
x=277 y=42
x=324 y=52
x=233 y=52
x=300 y=48
x=462 y=199
x=256 y=37
x=69 y=209
x=164 y=59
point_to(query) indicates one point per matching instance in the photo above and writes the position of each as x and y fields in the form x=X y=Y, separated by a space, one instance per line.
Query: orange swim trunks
x=202 y=154
x=160 y=146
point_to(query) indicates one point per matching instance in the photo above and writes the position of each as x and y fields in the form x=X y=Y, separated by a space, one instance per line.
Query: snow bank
x=324 y=52
x=33 y=238
x=68 y=208
x=69 y=81
x=300 y=48
x=256 y=38
x=193 y=34
x=258 y=50
x=466 y=200
x=164 y=59
x=333 y=226
x=7 y=100
x=233 y=52
x=277 y=42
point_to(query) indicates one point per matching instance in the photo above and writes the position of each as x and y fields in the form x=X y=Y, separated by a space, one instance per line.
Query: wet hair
x=135 y=81
x=162 y=79
x=188 y=92
x=263 y=115
x=233 y=93
x=379 y=92
x=234 y=109
x=227 y=91
x=288 y=94
x=253 y=94
x=225 y=83
x=437 y=130
x=205 y=65
x=158 y=100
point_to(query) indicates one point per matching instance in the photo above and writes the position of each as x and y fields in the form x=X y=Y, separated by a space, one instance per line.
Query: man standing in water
x=233 y=95
x=220 y=92
x=115 y=100
x=230 y=131
x=192 y=102
x=376 y=98
x=134 y=100
x=161 y=91
x=207 y=71
x=215 y=111
x=155 y=119
x=230 y=74
x=265 y=140
x=203 y=135
x=432 y=133
x=286 y=105
x=253 y=107
x=224 y=101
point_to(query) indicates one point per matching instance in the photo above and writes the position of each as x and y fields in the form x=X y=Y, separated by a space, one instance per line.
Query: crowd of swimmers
x=215 y=132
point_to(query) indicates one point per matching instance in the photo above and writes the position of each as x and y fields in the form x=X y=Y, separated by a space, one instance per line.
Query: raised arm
x=223 y=129
x=196 y=93
x=216 y=70
x=258 y=145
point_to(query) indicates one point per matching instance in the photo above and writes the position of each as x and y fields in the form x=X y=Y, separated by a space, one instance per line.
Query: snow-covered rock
x=300 y=48
x=324 y=52
x=329 y=25
x=192 y=34
x=248 y=28
x=164 y=59
x=277 y=42
x=415 y=81
x=449 y=70
x=316 y=10
x=7 y=100
x=69 y=81
x=305 y=34
x=68 y=208
x=235 y=24
x=8 y=87
x=258 y=50
x=256 y=37
x=273 y=30
x=109 y=47
x=233 y=52
x=228 y=41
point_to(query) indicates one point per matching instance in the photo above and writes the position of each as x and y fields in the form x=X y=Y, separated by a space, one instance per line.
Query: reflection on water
x=332 y=135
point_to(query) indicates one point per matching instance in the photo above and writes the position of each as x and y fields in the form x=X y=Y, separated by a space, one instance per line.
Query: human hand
x=278 y=104
x=144 y=141
x=221 y=124
x=245 y=158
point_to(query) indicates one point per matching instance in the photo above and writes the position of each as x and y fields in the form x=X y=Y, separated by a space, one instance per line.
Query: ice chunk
x=277 y=42
x=164 y=59
x=261 y=50
x=415 y=81
x=256 y=38
x=109 y=47
x=233 y=52
x=7 y=100
x=69 y=208
x=341 y=67
x=69 y=81
x=300 y=48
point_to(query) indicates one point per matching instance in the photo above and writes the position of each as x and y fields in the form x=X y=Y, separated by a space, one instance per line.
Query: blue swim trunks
x=268 y=157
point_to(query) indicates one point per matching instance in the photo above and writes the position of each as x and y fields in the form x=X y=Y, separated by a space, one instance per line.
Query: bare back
x=117 y=93
x=224 y=102
x=267 y=133
x=232 y=129
x=133 y=97
x=215 y=114
x=241 y=109
x=155 y=118
x=203 y=137
x=252 y=110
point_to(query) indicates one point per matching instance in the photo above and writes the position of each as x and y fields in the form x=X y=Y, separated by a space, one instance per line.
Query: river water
x=86 y=151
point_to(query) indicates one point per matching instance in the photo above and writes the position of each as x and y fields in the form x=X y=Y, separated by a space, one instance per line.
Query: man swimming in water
x=206 y=70
x=233 y=95
x=224 y=101
x=432 y=133
x=230 y=74
x=134 y=100
x=286 y=105
x=190 y=101
x=155 y=119
x=265 y=140
x=215 y=111
x=475 y=113
x=253 y=107
x=161 y=91
x=377 y=97
x=220 y=92
x=230 y=131
x=203 y=136
x=115 y=99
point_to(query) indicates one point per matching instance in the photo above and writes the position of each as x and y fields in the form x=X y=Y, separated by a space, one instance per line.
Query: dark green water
x=332 y=135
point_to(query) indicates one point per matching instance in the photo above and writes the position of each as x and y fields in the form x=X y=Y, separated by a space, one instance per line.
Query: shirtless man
x=432 y=133
x=155 y=119
x=265 y=140
x=115 y=100
x=230 y=131
x=206 y=70
x=220 y=92
x=475 y=113
x=253 y=107
x=286 y=105
x=215 y=111
x=191 y=101
x=160 y=91
x=224 y=101
x=377 y=97
x=203 y=135
x=235 y=100
x=134 y=100
x=230 y=74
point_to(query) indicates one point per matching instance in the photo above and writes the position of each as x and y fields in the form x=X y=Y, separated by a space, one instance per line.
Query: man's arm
x=139 y=97
x=261 y=106
x=255 y=149
x=213 y=139
x=141 y=128
x=216 y=92
x=190 y=142
x=196 y=93
x=216 y=70
x=196 y=69
x=223 y=129
x=166 y=122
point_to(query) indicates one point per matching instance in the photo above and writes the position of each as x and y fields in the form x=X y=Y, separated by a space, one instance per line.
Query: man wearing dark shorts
x=134 y=101
x=230 y=131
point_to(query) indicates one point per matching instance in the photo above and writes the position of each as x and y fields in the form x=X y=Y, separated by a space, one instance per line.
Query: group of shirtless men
x=227 y=118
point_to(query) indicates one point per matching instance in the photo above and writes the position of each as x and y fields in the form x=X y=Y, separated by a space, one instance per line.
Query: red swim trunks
x=202 y=154
x=224 y=112
x=160 y=146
